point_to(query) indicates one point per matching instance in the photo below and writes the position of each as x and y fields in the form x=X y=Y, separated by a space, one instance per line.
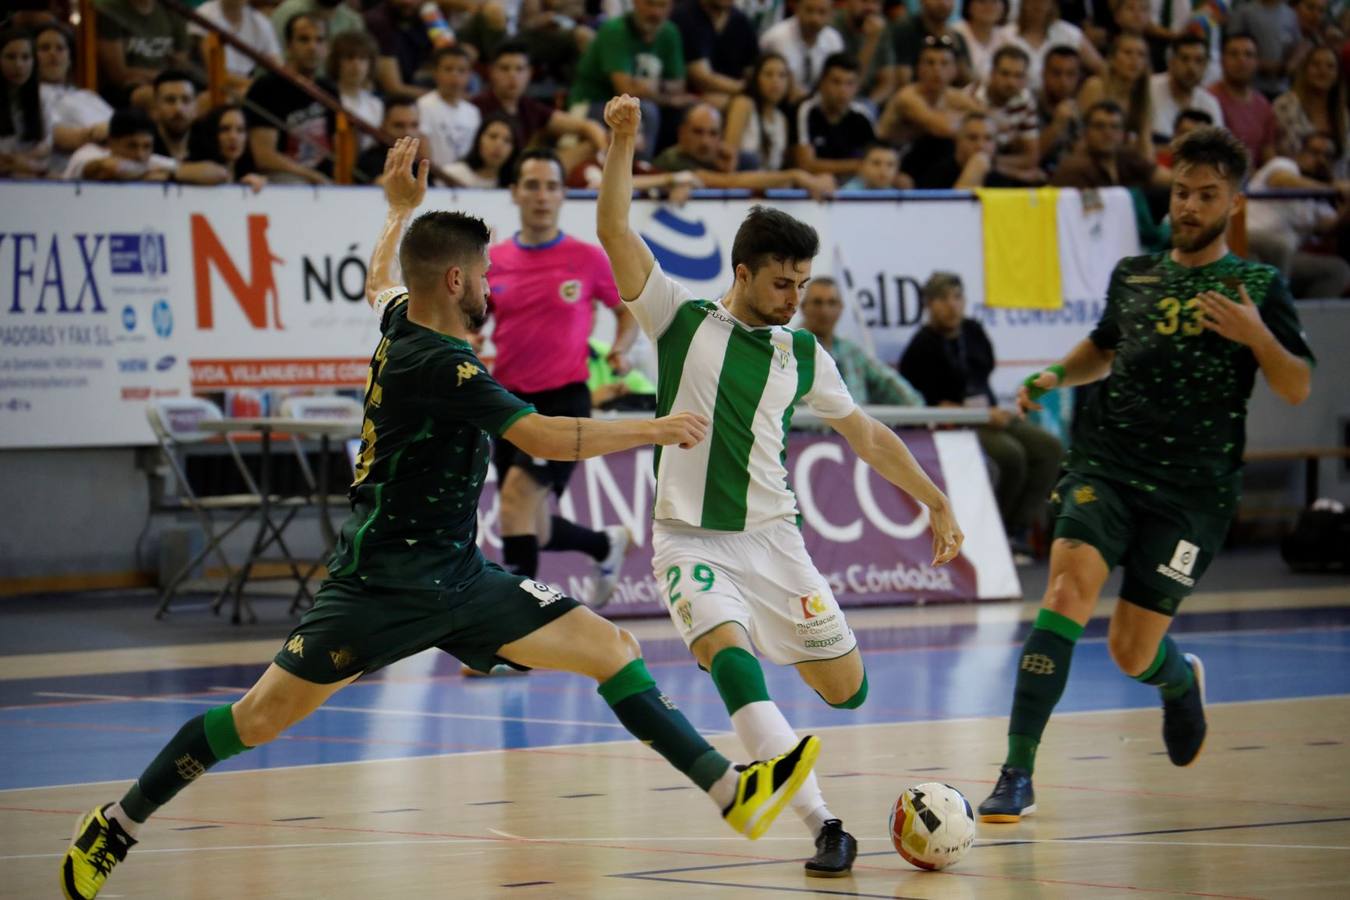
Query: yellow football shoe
x=764 y=788
x=98 y=845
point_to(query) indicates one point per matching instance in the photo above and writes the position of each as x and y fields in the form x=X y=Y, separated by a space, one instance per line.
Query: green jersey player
x=726 y=548
x=407 y=574
x=1154 y=470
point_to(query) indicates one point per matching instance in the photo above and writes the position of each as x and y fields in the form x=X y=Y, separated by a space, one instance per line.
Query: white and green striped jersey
x=746 y=381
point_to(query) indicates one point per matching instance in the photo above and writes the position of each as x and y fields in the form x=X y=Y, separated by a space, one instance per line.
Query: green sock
x=653 y=719
x=1041 y=675
x=202 y=742
x=1170 y=671
x=738 y=678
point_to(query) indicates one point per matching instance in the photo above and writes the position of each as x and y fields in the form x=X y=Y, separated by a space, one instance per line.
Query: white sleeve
x=383 y=297
x=656 y=306
x=829 y=397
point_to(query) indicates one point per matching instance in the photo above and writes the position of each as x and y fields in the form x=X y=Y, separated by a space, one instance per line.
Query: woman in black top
x=949 y=360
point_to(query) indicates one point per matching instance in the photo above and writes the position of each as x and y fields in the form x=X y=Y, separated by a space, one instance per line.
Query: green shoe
x=98 y=845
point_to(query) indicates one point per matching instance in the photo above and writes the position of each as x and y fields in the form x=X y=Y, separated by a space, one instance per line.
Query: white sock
x=723 y=790
x=129 y=825
x=765 y=733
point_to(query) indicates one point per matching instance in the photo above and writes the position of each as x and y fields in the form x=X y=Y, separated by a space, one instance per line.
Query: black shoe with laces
x=835 y=851
x=1011 y=799
x=1184 y=725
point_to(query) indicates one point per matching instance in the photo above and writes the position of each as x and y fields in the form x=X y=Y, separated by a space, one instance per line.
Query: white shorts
x=763 y=579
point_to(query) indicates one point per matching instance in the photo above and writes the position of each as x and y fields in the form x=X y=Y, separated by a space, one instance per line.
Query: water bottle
x=439 y=30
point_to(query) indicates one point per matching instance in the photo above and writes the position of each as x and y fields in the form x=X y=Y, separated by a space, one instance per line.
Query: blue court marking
x=422 y=707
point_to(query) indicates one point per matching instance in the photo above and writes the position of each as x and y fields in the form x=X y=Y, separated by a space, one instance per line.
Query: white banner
x=114 y=294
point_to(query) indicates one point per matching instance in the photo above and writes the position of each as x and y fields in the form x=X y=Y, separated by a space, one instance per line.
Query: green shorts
x=357 y=628
x=1164 y=544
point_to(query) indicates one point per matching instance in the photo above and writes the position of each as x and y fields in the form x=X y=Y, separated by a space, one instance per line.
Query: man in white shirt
x=805 y=41
x=1276 y=229
x=1179 y=87
x=245 y=23
x=1012 y=110
x=449 y=119
x=129 y=155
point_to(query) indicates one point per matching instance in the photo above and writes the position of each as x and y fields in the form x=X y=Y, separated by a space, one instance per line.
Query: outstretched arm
x=404 y=194
x=628 y=254
x=882 y=449
x=560 y=437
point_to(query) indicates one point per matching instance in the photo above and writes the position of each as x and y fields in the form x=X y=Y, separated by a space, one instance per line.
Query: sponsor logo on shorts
x=816 y=625
x=296 y=646
x=823 y=642
x=1169 y=572
x=1084 y=494
x=813 y=605
x=541 y=592
x=1182 y=564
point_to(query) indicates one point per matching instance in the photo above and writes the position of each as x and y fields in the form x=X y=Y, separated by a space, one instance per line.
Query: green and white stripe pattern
x=746 y=381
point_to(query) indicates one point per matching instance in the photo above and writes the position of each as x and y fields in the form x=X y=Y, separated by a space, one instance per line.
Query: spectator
x=966 y=164
x=1107 y=158
x=400 y=120
x=756 y=135
x=137 y=39
x=351 y=59
x=1012 y=111
x=25 y=127
x=128 y=156
x=868 y=379
x=1057 y=105
x=491 y=160
x=449 y=120
x=984 y=28
x=1185 y=122
x=1315 y=29
x=1131 y=17
x=1278 y=229
x=1125 y=82
x=290 y=132
x=867 y=38
x=337 y=16
x=175 y=106
x=508 y=79
x=699 y=147
x=1274 y=27
x=914 y=33
x=1167 y=21
x=1317 y=102
x=405 y=46
x=239 y=20
x=221 y=137
x=609 y=390
x=950 y=360
x=1179 y=87
x=880 y=170
x=805 y=40
x=763 y=14
x=639 y=54
x=926 y=113
x=77 y=116
x=832 y=127
x=1039 y=29
x=1246 y=111
x=719 y=47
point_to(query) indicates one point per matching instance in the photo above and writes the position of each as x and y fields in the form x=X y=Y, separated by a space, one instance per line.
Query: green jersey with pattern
x=429 y=404
x=1172 y=415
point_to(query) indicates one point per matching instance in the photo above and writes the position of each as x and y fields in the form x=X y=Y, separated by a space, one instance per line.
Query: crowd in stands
x=821 y=95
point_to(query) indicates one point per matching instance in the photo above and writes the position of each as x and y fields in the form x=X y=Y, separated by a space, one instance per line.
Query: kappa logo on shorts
x=1084 y=494
x=296 y=645
x=465 y=371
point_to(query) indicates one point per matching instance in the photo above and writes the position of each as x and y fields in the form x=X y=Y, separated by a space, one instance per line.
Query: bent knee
x=1066 y=597
x=629 y=648
x=1131 y=656
x=845 y=695
x=257 y=725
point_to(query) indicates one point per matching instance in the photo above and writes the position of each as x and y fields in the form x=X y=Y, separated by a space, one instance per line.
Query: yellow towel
x=1021 y=248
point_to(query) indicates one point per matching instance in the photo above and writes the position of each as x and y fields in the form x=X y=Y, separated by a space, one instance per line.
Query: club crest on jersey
x=781 y=355
x=570 y=290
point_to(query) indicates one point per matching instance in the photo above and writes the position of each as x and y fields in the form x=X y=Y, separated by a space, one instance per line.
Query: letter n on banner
x=251 y=295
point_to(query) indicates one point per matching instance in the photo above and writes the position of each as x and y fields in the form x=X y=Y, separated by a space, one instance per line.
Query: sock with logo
x=761 y=726
x=1169 y=671
x=652 y=718
x=520 y=554
x=202 y=742
x=565 y=535
x=1042 y=672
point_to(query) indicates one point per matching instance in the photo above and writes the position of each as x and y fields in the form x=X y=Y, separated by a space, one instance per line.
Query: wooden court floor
x=1265 y=811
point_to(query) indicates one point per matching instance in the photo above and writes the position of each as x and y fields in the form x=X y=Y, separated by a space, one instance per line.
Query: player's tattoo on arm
x=576 y=452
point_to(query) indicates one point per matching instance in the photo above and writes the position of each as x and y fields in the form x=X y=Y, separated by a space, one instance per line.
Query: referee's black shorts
x=569 y=400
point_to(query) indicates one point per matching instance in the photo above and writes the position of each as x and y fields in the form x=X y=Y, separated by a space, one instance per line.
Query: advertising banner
x=868 y=539
x=111 y=295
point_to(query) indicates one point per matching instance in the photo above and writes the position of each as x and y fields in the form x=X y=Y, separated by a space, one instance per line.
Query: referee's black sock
x=520 y=554
x=565 y=535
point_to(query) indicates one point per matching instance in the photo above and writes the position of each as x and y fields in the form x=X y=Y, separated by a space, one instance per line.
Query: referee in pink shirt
x=545 y=285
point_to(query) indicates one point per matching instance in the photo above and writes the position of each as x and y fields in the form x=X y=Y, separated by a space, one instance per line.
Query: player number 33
x=1176 y=314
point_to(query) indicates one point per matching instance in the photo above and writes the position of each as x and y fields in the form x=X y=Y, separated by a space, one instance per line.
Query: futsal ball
x=932 y=825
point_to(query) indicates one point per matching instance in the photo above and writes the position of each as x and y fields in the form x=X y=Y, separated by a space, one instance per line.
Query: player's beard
x=474 y=309
x=1202 y=238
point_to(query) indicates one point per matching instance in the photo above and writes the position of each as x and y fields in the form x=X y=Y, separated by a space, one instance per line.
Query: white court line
x=619 y=743
x=1011 y=841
